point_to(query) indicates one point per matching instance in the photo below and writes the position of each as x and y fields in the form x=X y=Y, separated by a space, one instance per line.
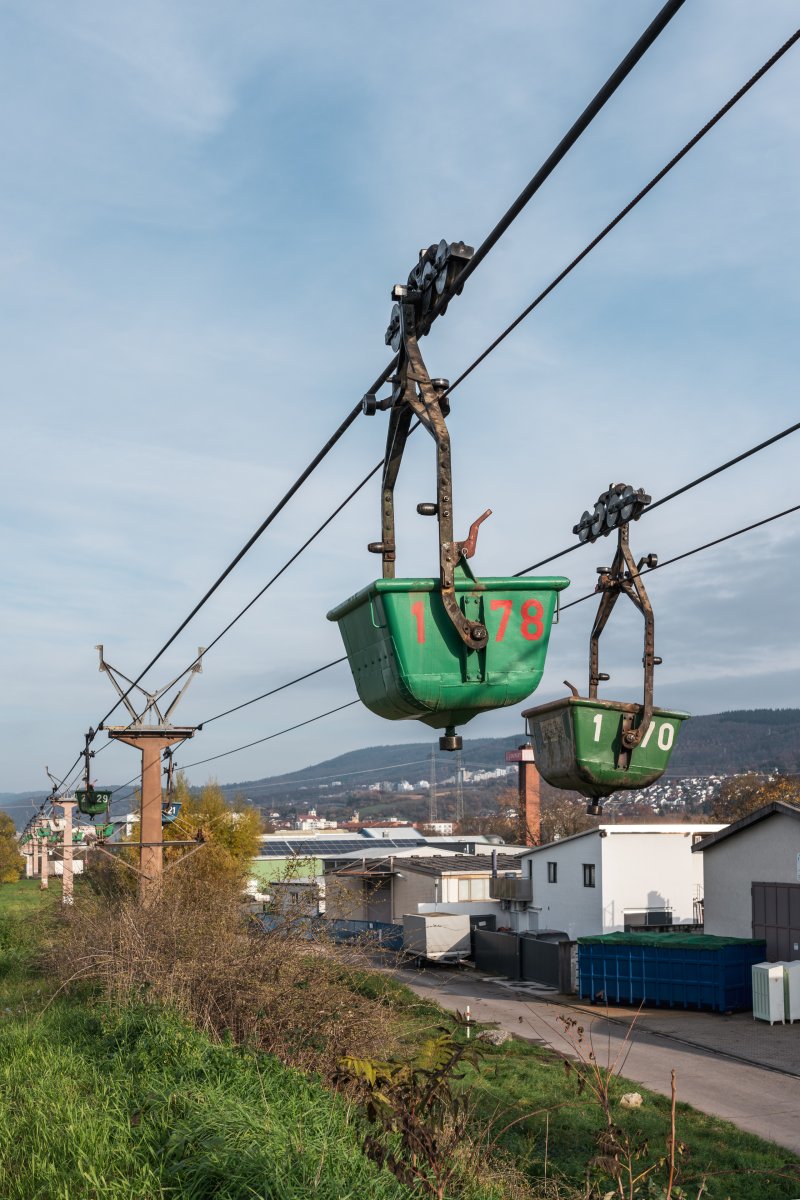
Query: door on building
x=776 y=918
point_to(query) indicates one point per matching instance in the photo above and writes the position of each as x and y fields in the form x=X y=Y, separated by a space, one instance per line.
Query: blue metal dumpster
x=675 y=970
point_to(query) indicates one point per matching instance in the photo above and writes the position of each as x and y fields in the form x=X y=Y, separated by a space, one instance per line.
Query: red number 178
x=532 y=613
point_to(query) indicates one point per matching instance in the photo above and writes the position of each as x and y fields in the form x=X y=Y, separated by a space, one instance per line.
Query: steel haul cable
x=340 y=708
x=577 y=545
x=605 y=93
x=270 y=736
x=697 y=549
x=686 y=487
x=667 y=562
x=673 y=162
x=550 y=288
x=530 y=308
x=741 y=457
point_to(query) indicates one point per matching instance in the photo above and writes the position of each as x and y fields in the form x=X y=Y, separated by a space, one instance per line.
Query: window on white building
x=588 y=874
x=552 y=872
x=473 y=889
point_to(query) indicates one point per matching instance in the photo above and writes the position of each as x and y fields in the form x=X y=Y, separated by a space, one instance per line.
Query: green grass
x=26 y=896
x=521 y=1077
x=98 y=1103
x=135 y=1104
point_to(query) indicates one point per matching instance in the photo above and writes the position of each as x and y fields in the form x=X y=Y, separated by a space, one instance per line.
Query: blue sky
x=204 y=209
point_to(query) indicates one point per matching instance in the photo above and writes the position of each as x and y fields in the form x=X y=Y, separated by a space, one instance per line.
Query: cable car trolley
x=438 y=650
x=92 y=801
x=170 y=807
x=596 y=746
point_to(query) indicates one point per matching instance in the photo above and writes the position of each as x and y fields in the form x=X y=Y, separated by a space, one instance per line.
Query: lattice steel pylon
x=432 y=799
x=459 y=787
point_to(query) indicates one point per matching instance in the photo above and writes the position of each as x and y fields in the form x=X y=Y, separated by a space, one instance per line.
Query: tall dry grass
x=195 y=951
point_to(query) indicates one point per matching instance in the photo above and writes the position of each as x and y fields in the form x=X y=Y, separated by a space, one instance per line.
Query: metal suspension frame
x=624 y=577
x=151 y=708
x=414 y=393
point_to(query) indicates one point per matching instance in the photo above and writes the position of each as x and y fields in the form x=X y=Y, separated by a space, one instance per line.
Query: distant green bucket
x=577 y=744
x=409 y=663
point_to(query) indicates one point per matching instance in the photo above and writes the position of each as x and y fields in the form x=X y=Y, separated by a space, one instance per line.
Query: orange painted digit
x=532 y=620
x=418 y=611
x=507 y=605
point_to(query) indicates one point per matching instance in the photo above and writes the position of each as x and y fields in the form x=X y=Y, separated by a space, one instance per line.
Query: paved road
x=762 y=1101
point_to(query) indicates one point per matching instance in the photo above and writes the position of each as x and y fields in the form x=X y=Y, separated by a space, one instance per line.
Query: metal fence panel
x=776 y=918
x=540 y=961
x=497 y=953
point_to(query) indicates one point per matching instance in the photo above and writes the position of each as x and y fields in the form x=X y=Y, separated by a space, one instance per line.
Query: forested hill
x=759 y=739
x=720 y=744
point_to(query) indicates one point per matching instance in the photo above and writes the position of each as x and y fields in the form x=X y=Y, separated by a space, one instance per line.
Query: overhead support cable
x=697 y=549
x=570 y=138
x=686 y=487
x=636 y=52
x=258 y=741
x=586 y=251
x=273 y=691
x=647 y=38
x=280 y=572
x=673 y=162
x=265 y=524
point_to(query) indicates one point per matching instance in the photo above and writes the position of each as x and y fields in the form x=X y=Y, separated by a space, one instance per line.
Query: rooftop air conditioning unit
x=768 y=998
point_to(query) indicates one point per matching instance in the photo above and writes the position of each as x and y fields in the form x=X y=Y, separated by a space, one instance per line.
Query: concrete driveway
x=705 y=1050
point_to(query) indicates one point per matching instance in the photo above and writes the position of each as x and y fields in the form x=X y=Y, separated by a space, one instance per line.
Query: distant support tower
x=459 y=787
x=432 y=806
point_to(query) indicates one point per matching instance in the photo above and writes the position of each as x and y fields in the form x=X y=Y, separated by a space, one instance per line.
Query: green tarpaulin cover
x=668 y=941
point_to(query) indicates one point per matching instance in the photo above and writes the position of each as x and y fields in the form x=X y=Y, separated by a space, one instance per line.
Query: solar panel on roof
x=330 y=847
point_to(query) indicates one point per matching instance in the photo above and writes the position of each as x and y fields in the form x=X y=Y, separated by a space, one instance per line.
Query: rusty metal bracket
x=624 y=577
x=414 y=393
x=121 y=861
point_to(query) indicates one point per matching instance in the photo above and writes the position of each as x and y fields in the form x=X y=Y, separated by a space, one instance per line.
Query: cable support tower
x=432 y=800
x=595 y=106
x=459 y=787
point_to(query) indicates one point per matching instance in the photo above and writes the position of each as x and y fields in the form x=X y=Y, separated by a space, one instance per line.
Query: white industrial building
x=387 y=888
x=608 y=879
x=752 y=879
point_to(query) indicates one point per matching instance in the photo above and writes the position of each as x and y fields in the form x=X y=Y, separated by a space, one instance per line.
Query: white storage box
x=791 y=989
x=768 y=998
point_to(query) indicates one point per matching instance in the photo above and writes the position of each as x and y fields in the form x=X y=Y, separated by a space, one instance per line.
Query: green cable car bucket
x=438 y=650
x=597 y=747
x=578 y=744
x=92 y=802
x=408 y=661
